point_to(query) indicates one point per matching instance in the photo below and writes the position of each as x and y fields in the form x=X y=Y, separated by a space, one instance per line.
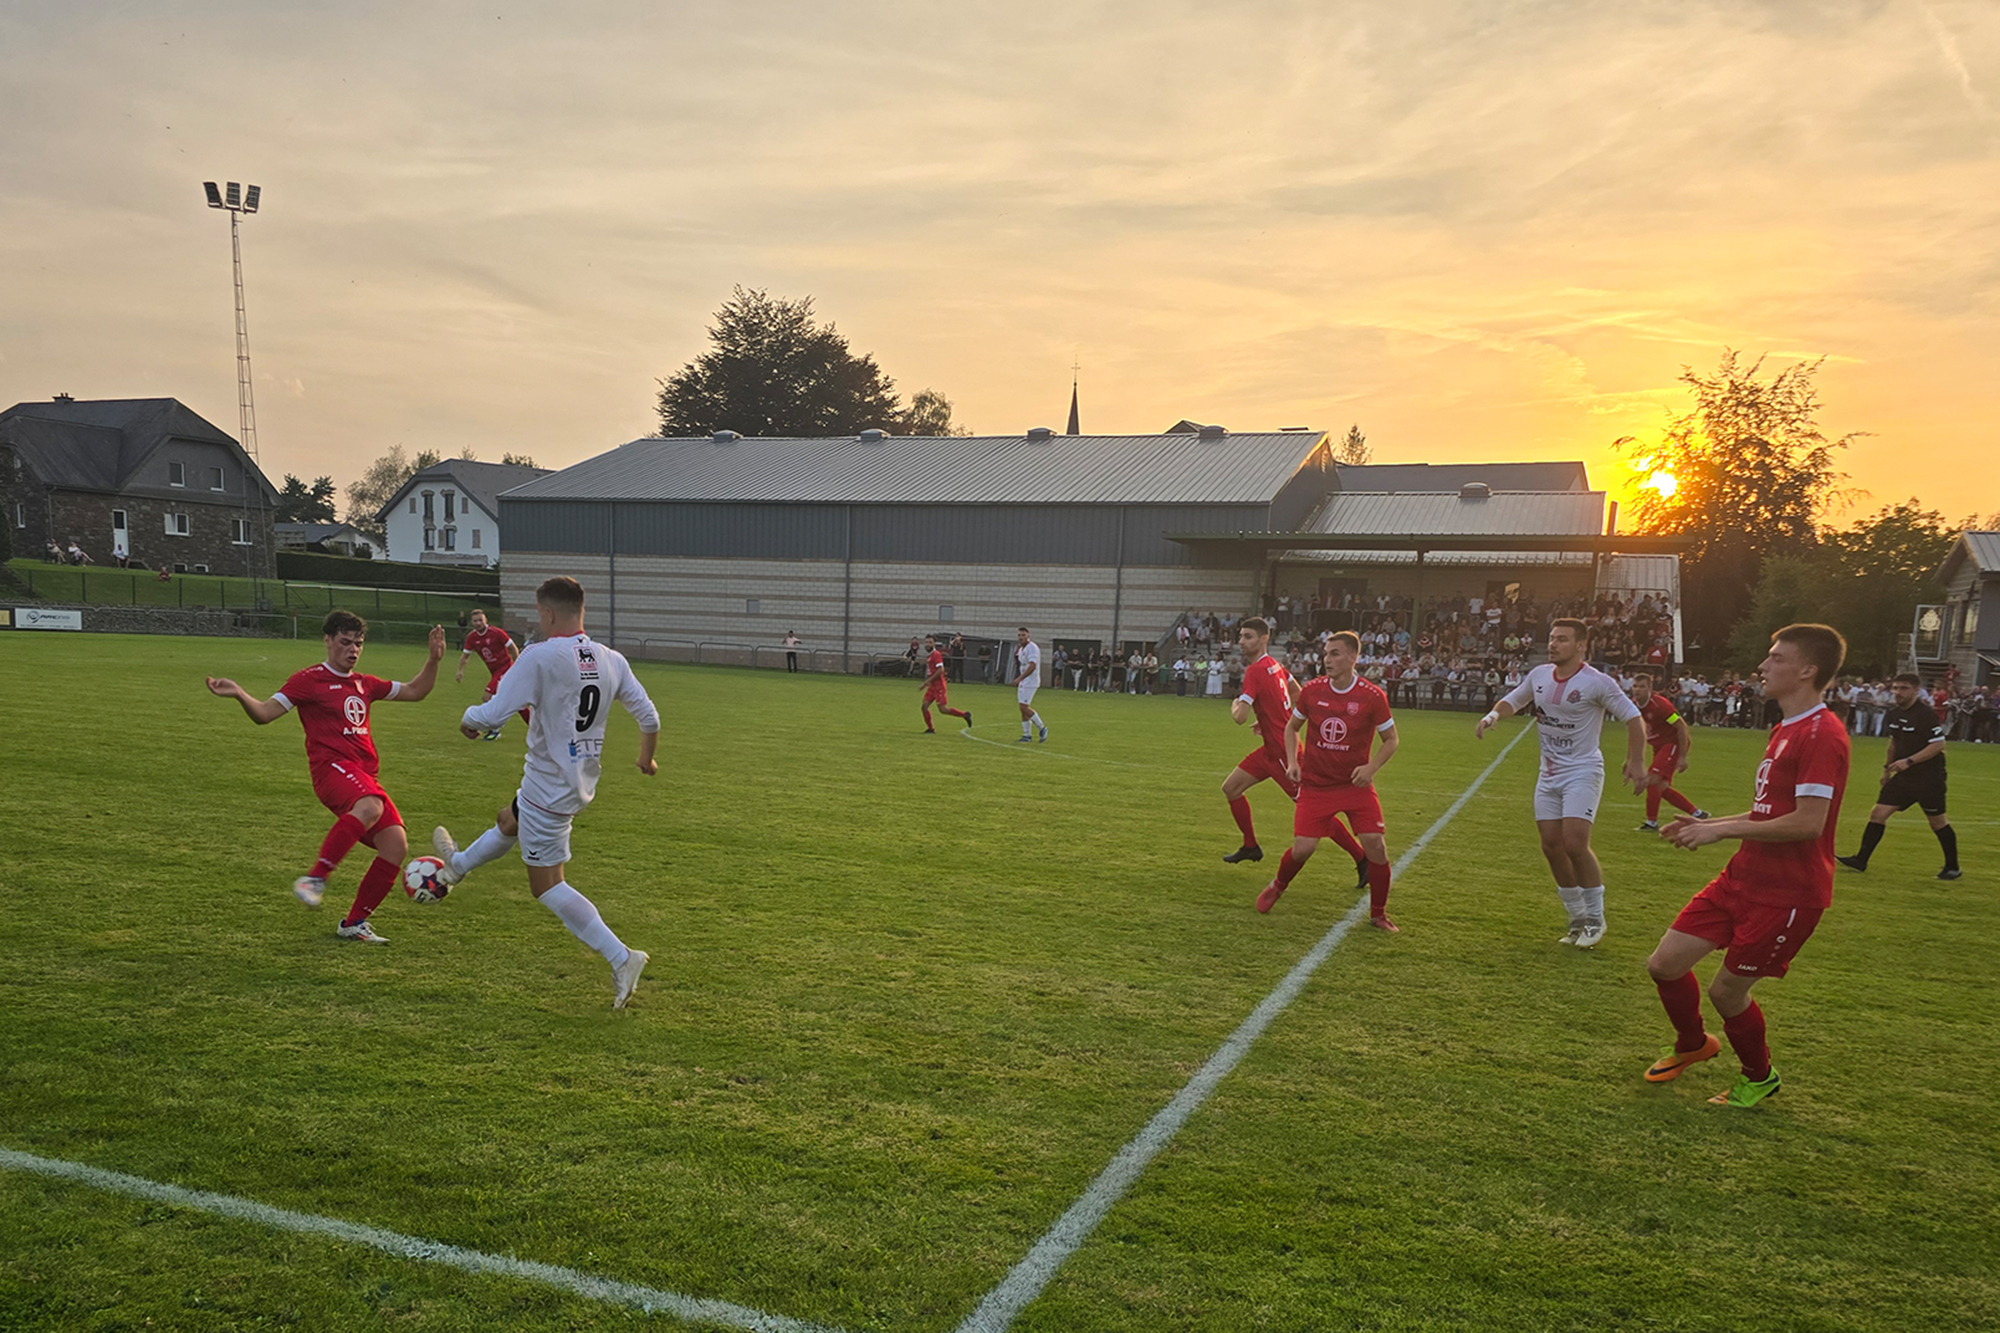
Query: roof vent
x=62 y=398
x=1475 y=490
x=1038 y=433
x=725 y=437
x=872 y=436
x=1213 y=432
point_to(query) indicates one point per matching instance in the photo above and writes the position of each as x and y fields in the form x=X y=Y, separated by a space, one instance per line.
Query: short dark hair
x=1572 y=623
x=1346 y=636
x=1910 y=678
x=1020 y=629
x=477 y=611
x=338 y=623
x=561 y=592
x=1256 y=624
x=1821 y=645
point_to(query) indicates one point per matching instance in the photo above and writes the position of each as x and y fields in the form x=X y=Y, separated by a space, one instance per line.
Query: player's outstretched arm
x=517 y=691
x=1802 y=824
x=260 y=711
x=1501 y=712
x=424 y=681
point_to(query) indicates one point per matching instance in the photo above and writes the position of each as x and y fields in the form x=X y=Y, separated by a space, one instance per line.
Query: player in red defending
x=1267 y=699
x=1667 y=732
x=934 y=687
x=1339 y=715
x=497 y=649
x=1764 y=905
x=332 y=700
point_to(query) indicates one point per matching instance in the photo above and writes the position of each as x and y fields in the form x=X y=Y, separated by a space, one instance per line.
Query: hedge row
x=312 y=567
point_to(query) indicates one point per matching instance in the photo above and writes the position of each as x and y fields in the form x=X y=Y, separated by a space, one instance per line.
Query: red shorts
x=1319 y=805
x=1260 y=765
x=934 y=693
x=339 y=786
x=1667 y=762
x=1761 y=939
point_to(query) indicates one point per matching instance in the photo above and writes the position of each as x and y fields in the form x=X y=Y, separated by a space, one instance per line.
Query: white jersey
x=570 y=683
x=1572 y=714
x=1028 y=660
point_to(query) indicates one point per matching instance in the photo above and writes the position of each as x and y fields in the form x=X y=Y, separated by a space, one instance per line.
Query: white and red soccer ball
x=423 y=880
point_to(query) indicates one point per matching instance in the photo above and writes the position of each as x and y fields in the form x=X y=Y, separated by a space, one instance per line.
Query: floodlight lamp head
x=235 y=195
x=214 y=195
x=250 y=198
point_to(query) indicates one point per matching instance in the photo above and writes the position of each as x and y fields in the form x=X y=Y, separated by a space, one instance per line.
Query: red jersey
x=1660 y=715
x=491 y=648
x=1265 y=689
x=934 y=666
x=1807 y=756
x=1340 y=729
x=333 y=710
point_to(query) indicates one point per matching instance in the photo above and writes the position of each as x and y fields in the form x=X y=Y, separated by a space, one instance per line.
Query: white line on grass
x=1027 y=1279
x=694 y=1309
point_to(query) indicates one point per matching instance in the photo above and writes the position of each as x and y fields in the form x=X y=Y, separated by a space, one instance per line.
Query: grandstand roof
x=1503 y=513
x=905 y=469
x=1448 y=477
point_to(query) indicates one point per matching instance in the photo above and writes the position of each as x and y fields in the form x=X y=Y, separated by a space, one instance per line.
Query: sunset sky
x=1483 y=229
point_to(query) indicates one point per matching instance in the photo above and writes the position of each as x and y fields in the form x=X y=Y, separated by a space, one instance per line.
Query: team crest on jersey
x=356 y=709
x=1763 y=780
x=1333 y=732
x=1353 y=705
x=586 y=662
x=1576 y=696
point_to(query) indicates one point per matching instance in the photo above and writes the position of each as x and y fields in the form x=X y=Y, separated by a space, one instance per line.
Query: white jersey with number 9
x=569 y=685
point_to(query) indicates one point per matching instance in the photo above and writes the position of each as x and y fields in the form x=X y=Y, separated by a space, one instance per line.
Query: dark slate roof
x=905 y=469
x=1451 y=476
x=484 y=482
x=97 y=444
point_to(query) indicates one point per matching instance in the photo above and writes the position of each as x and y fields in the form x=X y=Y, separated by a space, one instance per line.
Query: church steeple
x=1074 y=368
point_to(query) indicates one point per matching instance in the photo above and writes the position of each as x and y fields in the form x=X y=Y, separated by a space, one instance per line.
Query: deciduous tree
x=381 y=480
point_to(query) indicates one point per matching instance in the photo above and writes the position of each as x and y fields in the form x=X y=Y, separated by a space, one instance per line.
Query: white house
x=449 y=513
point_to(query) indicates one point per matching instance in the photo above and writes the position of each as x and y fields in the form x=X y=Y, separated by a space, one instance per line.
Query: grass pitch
x=909 y=995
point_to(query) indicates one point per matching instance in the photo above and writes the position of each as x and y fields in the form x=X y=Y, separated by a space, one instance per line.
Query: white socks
x=1593 y=903
x=489 y=846
x=1030 y=722
x=580 y=915
x=1574 y=902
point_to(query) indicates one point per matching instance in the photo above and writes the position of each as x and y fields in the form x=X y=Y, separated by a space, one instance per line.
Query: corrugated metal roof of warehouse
x=1501 y=559
x=1503 y=513
x=906 y=469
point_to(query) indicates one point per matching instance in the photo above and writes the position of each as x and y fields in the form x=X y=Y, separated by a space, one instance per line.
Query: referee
x=1914 y=775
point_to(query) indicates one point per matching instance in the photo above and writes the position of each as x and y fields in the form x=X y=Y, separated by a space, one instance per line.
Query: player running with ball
x=569 y=683
x=1573 y=697
x=1339 y=715
x=1764 y=905
x=332 y=701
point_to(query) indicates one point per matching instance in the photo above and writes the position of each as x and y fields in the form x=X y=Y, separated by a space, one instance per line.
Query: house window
x=177 y=474
x=20 y=516
x=430 y=539
x=201 y=569
x=475 y=538
x=239 y=531
x=450 y=534
x=449 y=515
x=177 y=525
x=215 y=479
x=118 y=523
x=180 y=568
x=753 y=606
x=944 y=615
x=430 y=514
x=413 y=504
x=1968 y=624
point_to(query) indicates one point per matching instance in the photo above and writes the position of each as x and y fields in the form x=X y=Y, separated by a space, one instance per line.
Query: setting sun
x=1664 y=483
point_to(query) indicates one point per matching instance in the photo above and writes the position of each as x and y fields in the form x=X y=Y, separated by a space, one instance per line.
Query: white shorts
x=1025 y=693
x=1571 y=794
x=544 y=834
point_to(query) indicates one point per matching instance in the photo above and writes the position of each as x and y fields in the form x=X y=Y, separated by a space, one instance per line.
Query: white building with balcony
x=449 y=513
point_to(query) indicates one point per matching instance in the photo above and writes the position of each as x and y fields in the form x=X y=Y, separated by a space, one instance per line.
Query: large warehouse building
x=857 y=543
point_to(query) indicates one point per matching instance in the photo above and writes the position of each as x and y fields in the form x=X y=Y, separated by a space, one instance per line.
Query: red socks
x=1344 y=840
x=1288 y=866
x=375 y=886
x=1378 y=887
x=1653 y=795
x=1746 y=1038
x=340 y=840
x=1681 y=998
x=927 y=718
x=1678 y=801
x=1240 y=807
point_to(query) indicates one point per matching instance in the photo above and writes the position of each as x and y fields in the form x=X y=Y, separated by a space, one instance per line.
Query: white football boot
x=309 y=889
x=446 y=848
x=625 y=977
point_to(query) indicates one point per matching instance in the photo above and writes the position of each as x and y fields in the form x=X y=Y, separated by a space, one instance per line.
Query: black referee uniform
x=1910 y=730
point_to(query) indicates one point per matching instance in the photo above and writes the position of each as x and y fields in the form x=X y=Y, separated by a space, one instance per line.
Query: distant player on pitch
x=1912 y=775
x=497 y=649
x=1028 y=679
x=1573 y=698
x=1764 y=905
x=332 y=701
x=568 y=682
x=934 y=687
x=1667 y=732
x=1267 y=700
x=1338 y=715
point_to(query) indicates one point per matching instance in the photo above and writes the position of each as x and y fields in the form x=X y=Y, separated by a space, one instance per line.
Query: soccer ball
x=423 y=880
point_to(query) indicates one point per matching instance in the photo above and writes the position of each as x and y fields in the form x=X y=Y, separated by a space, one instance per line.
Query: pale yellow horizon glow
x=1480 y=232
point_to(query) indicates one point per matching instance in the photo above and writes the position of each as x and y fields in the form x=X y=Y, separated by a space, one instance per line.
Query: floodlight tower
x=237 y=202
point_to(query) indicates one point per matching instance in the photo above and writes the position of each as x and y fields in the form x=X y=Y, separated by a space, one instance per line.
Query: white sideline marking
x=691 y=1308
x=1027 y=1279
